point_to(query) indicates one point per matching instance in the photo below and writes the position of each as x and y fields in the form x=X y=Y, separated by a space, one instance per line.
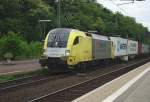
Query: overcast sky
x=140 y=10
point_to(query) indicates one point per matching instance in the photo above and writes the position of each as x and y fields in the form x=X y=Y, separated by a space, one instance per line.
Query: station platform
x=19 y=67
x=139 y=92
x=133 y=86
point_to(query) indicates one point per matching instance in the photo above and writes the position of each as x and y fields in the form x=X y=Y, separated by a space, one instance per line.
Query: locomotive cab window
x=58 y=38
x=76 y=41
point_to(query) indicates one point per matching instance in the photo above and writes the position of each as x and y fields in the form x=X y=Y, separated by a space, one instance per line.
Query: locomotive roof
x=100 y=37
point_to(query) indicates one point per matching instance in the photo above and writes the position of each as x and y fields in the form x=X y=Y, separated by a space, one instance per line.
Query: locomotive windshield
x=58 y=37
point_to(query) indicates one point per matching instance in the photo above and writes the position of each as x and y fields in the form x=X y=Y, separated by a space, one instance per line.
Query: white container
x=132 y=47
x=120 y=46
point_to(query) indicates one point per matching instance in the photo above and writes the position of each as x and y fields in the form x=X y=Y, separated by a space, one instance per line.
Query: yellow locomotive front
x=65 y=48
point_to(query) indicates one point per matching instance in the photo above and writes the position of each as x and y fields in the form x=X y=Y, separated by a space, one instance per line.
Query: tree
x=22 y=16
x=11 y=44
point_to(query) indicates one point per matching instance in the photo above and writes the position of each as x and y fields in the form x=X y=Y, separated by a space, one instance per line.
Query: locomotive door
x=75 y=51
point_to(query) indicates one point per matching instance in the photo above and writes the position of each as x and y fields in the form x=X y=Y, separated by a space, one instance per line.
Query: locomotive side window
x=76 y=41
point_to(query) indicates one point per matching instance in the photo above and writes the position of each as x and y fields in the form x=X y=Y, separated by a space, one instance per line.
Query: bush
x=36 y=49
x=26 y=49
x=1 y=43
x=13 y=43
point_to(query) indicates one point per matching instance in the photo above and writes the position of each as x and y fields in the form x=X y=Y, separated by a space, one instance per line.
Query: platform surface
x=133 y=86
x=141 y=93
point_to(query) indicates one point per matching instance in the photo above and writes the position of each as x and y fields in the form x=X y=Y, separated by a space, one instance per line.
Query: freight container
x=145 y=49
x=101 y=47
x=120 y=46
x=132 y=47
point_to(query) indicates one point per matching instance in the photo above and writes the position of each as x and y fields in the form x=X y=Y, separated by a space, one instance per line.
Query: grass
x=9 y=77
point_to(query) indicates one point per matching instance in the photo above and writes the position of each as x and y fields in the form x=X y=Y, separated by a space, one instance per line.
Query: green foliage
x=36 y=48
x=26 y=49
x=5 y=78
x=22 y=16
x=13 y=43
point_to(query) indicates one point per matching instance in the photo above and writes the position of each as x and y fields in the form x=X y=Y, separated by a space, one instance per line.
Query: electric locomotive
x=64 y=48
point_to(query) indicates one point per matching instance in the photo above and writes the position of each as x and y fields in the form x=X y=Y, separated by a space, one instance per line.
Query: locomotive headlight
x=67 y=52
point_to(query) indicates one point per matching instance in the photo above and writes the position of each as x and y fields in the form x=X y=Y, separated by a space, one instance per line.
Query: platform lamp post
x=58 y=12
x=44 y=26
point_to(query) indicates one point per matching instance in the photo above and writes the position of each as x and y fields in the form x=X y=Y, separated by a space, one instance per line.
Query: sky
x=140 y=10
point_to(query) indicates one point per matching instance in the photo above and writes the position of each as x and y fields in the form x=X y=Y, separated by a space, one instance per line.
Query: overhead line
x=125 y=3
x=118 y=7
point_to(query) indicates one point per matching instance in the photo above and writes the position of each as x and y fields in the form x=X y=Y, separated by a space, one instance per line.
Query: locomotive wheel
x=81 y=67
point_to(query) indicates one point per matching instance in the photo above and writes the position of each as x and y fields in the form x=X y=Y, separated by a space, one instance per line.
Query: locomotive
x=66 y=48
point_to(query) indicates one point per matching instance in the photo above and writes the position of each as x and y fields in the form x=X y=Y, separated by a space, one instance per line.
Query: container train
x=74 y=49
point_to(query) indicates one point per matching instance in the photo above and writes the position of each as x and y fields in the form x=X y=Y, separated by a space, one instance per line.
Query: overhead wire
x=67 y=18
x=125 y=3
x=132 y=1
x=119 y=7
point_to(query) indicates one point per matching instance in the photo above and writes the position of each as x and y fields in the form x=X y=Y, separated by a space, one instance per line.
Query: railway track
x=72 y=92
x=17 y=81
x=31 y=91
x=27 y=81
